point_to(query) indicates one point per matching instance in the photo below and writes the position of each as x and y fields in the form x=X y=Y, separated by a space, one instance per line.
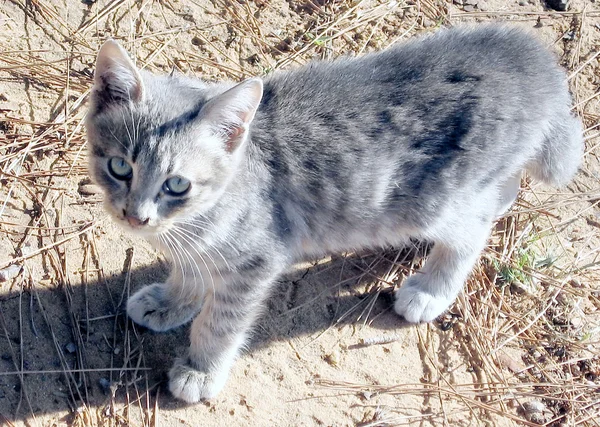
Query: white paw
x=416 y=305
x=192 y=385
x=153 y=308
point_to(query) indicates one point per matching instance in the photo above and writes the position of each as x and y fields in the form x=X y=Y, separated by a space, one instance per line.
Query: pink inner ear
x=234 y=137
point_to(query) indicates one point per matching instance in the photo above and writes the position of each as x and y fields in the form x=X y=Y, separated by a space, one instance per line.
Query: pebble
x=575 y=283
x=9 y=273
x=104 y=385
x=71 y=348
x=560 y=5
x=576 y=322
x=89 y=189
x=535 y=411
x=511 y=363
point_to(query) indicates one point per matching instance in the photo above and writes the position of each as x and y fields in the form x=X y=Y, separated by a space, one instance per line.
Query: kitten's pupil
x=119 y=168
x=176 y=186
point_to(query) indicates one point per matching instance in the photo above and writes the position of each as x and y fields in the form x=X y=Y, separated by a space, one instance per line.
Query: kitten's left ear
x=231 y=113
x=116 y=78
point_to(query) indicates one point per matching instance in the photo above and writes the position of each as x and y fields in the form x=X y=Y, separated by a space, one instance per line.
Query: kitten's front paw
x=193 y=385
x=416 y=305
x=154 y=308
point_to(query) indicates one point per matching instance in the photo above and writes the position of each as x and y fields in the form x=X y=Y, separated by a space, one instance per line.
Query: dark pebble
x=104 y=385
x=560 y=5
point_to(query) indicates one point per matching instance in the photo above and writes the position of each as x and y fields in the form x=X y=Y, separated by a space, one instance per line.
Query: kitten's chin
x=145 y=231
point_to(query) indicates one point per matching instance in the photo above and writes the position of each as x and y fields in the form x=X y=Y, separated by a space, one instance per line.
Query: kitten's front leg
x=217 y=333
x=164 y=306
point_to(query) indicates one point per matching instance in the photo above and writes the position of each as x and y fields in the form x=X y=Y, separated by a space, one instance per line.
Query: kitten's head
x=163 y=147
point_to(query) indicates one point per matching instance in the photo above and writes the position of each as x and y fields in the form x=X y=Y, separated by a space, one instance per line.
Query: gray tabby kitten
x=235 y=182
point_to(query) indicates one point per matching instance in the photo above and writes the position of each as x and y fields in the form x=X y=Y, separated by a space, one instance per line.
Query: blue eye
x=176 y=186
x=119 y=168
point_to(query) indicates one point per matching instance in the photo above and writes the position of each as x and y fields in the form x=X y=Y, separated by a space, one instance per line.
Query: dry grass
x=527 y=319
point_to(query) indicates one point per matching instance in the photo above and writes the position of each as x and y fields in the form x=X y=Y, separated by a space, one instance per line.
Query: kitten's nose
x=135 y=221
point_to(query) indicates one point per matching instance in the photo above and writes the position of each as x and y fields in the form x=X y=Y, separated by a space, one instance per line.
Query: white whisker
x=170 y=241
x=180 y=231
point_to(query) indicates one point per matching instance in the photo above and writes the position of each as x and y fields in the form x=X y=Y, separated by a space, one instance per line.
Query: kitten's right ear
x=116 y=78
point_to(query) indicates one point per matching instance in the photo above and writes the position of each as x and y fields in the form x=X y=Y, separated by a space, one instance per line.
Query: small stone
x=117 y=350
x=459 y=2
x=575 y=283
x=71 y=348
x=428 y=23
x=576 y=322
x=535 y=411
x=104 y=385
x=89 y=190
x=9 y=272
x=469 y=8
x=522 y=3
x=560 y=5
x=511 y=363
x=518 y=287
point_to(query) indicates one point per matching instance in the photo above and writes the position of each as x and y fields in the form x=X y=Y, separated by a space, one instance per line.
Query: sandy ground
x=519 y=347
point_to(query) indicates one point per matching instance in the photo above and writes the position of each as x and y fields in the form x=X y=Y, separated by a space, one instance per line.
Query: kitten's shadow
x=307 y=301
x=310 y=299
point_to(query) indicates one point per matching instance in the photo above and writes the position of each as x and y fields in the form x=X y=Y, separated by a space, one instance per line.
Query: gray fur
x=426 y=139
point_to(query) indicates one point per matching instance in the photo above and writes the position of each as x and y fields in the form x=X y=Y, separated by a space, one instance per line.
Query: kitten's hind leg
x=164 y=306
x=508 y=193
x=430 y=291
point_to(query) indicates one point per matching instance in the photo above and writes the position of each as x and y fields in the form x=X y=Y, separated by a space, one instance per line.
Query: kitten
x=235 y=182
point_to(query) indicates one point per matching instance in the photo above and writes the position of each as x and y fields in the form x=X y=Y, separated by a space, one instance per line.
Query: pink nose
x=137 y=222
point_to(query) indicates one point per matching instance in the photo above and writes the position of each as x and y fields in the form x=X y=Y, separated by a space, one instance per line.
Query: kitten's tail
x=562 y=151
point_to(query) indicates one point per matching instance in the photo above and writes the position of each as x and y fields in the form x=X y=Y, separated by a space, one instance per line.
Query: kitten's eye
x=119 y=168
x=176 y=186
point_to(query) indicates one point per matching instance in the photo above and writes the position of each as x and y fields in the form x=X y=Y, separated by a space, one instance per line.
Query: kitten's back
x=401 y=133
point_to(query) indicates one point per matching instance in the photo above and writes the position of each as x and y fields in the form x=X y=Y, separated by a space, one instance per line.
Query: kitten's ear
x=116 y=78
x=232 y=112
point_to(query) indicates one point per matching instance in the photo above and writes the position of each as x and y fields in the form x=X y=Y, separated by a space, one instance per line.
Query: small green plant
x=518 y=270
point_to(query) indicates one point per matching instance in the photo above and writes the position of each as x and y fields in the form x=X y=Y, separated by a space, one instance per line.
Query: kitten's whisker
x=186 y=234
x=127 y=129
x=223 y=258
x=170 y=239
x=202 y=226
x=117 y=139
x=133 y=127
x=205 y=264
x=163 y=238
x=193 y=263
